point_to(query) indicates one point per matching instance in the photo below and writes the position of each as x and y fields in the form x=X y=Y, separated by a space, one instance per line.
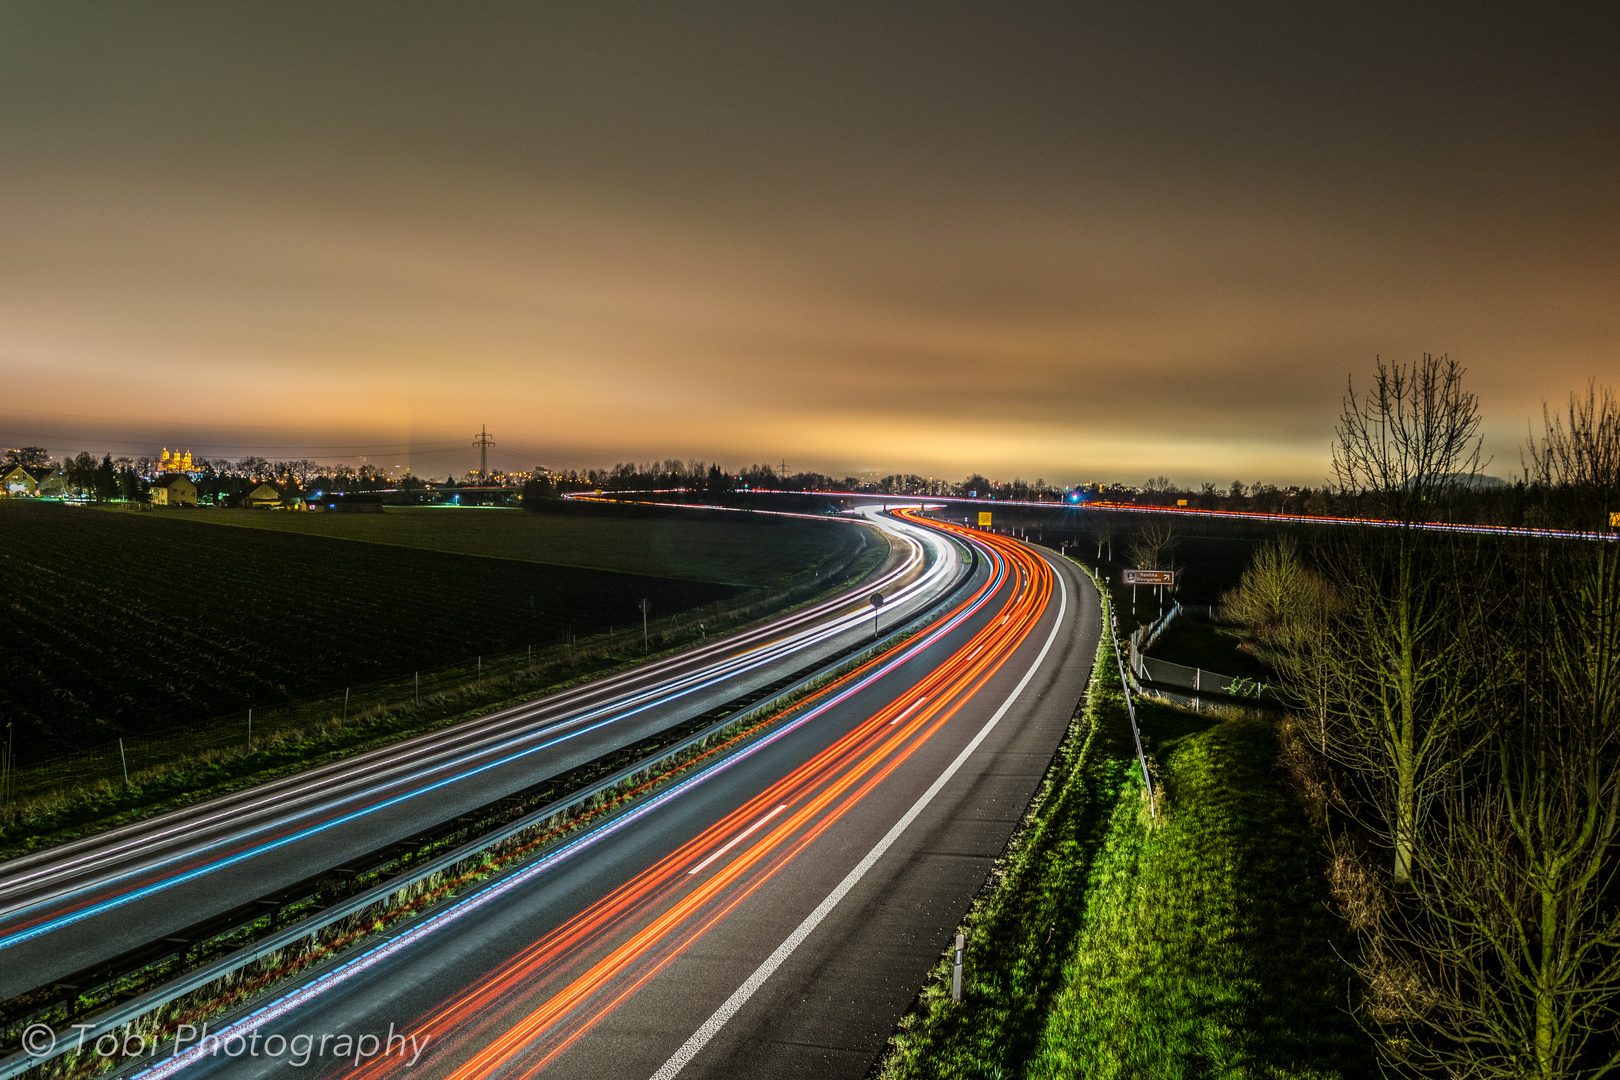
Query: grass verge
x=1110 y=945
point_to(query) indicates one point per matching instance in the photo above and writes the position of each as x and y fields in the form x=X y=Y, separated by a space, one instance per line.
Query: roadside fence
x=1150 y=669
x=1130 y=708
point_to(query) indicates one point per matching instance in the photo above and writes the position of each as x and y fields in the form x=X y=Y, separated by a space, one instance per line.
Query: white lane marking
x=907 y=713
x=711 y=1027
x=739 y=838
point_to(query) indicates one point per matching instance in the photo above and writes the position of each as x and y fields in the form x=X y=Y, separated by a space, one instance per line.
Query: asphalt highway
x=770 y=916
x=81 y=903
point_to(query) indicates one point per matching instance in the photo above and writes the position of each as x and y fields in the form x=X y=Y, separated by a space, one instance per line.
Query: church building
x=175 y=462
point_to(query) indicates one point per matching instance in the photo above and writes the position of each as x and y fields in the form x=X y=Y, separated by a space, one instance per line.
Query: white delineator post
x=956 y=972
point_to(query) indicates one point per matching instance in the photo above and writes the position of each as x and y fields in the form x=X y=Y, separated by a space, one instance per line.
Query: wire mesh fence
x=1200 y=681
x=1196 y=679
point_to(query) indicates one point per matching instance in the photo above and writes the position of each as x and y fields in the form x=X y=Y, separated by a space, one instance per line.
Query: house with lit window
x=174 y=489
x=19 y=481
x=262 y=497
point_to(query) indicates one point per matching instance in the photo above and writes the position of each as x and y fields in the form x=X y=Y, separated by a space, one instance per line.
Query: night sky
x=1070 y=242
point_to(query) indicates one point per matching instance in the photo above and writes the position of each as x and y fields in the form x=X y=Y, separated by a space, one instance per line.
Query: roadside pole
x=956 y=971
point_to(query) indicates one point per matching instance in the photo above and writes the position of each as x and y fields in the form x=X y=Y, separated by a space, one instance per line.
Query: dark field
x=1198 y=644
x=732 y=548
x=116 y=623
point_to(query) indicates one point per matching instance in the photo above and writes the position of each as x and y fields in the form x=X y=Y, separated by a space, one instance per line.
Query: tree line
x=709 y=477
x=217 y=479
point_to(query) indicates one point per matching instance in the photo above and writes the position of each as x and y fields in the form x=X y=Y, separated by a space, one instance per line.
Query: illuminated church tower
x=176 y=462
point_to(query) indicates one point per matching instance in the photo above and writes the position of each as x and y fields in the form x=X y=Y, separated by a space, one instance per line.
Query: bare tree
x=1577 y=460
x=255 y=468
x=1408 y=445
x=1403 y=449
x=1513 y=948
x=1289 y=613
x=1153 y=546
x=1269 y=592
x=1102 y=530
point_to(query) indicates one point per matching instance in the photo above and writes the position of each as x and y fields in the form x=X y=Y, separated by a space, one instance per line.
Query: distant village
x=179 y=479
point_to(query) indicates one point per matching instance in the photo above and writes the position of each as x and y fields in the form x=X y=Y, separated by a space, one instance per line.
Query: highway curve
x=771 y=916
x=82 y=903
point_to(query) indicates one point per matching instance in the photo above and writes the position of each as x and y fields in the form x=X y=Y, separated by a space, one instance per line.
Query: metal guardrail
x=128 y=1012
x=1136 y=732
x=1125 y=686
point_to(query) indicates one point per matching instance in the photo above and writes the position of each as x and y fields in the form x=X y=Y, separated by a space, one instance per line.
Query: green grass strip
x=1020 y=927
x=1206 y=950
x=1112 y=946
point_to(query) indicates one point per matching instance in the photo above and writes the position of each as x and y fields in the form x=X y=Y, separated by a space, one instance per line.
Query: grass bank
x=1110 y=945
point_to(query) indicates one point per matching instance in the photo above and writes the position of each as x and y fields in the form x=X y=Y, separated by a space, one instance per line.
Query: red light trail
x=1142 y=508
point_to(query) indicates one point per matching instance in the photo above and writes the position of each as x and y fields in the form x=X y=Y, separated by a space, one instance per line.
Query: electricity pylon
x=483 y=441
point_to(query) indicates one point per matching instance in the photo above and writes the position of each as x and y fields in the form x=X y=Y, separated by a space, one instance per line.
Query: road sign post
x=876 y=600
x=1157 y=578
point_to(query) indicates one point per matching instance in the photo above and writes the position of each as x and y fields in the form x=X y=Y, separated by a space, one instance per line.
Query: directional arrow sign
x=1150 y=577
